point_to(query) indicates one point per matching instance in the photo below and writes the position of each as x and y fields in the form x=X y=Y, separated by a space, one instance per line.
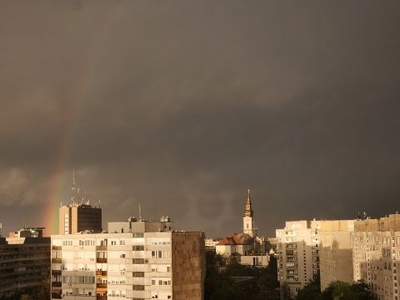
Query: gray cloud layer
x=182 y=105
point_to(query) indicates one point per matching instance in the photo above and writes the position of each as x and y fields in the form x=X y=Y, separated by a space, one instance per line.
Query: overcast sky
x=181 y=106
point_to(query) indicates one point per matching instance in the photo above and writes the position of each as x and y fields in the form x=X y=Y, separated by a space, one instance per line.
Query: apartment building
x=297 y=254
x=135 y=260
x=335 y=252
x=24 y=261
x=376 y=255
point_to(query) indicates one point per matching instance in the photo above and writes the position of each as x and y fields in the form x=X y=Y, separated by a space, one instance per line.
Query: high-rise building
x=24 y=262
x=135 y=260
x=297 y=254
x=335 y=252
x=79 y=215
x=376 y=255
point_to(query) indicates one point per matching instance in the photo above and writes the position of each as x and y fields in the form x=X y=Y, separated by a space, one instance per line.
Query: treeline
x=229 y=280
x=337 y=290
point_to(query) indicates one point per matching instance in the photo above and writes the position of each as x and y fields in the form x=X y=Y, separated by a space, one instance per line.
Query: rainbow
x=76 y=97
x=79 y=90
x=54 y=195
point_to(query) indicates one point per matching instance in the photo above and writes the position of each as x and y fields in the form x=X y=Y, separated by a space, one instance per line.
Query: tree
x=311 y=290
x=339 y=290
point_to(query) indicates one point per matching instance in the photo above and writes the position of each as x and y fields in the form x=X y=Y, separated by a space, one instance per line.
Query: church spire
x=248 y=222
x=248 y=211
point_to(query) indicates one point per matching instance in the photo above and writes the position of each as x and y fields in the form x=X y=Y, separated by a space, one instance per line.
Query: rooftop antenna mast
x=140 y=213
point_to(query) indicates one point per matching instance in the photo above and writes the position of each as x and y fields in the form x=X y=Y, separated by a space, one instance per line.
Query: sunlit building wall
x=335 y=252
x=376 y=255
x=297 y=254
x=135 y=260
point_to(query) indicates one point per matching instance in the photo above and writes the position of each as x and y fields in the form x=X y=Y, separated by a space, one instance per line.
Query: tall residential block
x=24 y=262
x=79 y=215
x=135 y=260
x=297 y=254
x=376 y=255
x=335 y=252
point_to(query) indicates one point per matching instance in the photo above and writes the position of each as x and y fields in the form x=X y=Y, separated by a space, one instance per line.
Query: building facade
x=24 y=261
x=297 y=254
x=134 y=260
x=376 y=255
x=335 y=252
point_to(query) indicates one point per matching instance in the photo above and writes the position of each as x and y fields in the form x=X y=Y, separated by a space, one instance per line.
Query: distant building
x=335 y=252
x=79 y=215
x=246 y=248
x=136 y=259
x=24 y=261
x=376 y=255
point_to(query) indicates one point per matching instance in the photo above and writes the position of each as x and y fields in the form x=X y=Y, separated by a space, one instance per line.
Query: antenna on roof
x=140 y=213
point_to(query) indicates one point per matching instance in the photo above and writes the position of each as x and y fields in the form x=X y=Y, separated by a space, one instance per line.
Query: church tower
x=248 y=223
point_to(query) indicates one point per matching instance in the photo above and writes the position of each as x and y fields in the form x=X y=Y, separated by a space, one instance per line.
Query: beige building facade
x=297 y=254
x=335 y=252
x=135 y=260
x=376 y=255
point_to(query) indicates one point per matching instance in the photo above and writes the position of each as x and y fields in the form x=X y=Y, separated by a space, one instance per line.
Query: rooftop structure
x=79 y=215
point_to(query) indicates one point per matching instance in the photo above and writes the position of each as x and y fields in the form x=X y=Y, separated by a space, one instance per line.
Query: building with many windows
x=297 y=254
x=135 y=260
x=24 y=261
x=376 y=255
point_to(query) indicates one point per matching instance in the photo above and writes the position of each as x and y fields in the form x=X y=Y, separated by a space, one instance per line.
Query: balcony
x=101 y=285
x=56 y=260
x=56 y=284
x=102 y=247
x=101 y=273
x=55 y=272
x=101 y=260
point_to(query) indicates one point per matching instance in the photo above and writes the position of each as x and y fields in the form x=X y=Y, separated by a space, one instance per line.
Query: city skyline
x=180 y=107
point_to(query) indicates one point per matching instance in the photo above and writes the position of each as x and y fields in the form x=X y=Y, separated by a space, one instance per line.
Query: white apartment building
x=376 y=255
x=335 y=252
x=297 y=254
x=134 y=260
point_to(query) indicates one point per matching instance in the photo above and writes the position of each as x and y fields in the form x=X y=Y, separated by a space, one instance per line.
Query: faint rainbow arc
x=99 y=38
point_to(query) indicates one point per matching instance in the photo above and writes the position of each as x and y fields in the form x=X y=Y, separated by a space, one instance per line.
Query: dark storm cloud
x=181 y=106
